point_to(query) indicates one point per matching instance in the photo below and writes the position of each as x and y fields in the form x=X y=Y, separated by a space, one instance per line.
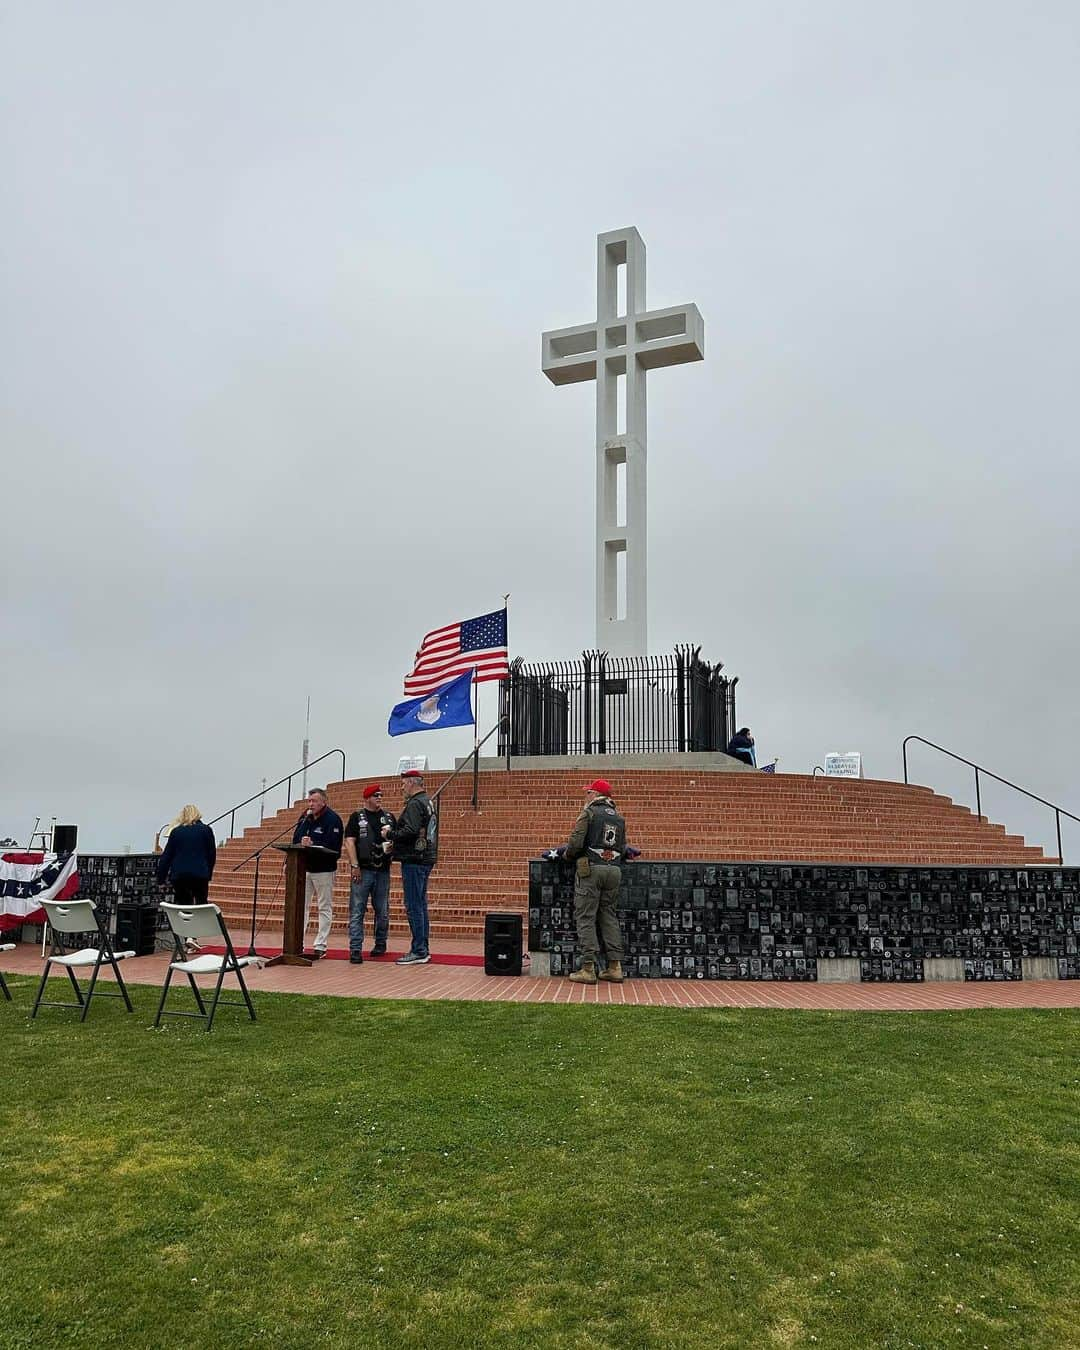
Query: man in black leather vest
x=369 y=873
x=597 y=846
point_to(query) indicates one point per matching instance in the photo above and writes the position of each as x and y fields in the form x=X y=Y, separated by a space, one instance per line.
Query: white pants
x=320 y=888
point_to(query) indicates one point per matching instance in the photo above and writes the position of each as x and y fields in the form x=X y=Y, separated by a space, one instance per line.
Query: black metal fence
x=606 y=705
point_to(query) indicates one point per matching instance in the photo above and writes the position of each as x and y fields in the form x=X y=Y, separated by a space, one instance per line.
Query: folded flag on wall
x=770 y=768
x=474 y=644
x=448 y=706
x=27 y=878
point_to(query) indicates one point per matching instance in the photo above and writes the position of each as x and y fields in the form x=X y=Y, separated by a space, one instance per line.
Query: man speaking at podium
x=319 y=825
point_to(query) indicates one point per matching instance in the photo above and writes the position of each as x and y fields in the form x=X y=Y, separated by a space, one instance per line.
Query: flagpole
x=506 y=606
x=476 y=741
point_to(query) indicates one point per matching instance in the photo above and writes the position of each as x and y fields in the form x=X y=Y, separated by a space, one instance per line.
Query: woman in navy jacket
x=189 y=857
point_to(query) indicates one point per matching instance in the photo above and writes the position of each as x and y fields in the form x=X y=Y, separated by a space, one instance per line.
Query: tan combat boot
x=613 y=972
x=586 y=975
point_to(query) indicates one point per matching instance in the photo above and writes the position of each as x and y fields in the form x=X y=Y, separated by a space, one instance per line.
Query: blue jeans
x=376 y=885
x=414 y=878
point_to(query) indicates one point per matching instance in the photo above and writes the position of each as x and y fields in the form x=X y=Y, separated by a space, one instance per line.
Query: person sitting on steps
x=741 y=747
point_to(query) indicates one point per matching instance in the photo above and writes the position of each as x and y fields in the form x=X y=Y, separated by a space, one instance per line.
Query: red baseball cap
x=412 y=773
x=371 y=790
x=600 y=785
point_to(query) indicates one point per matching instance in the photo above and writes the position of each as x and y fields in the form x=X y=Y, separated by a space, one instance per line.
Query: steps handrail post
x=903 y=752
x=254 y=903
x=1057 y=822
x=263 y=847
x=464 y=764
x=476 y=779
x=978 y=799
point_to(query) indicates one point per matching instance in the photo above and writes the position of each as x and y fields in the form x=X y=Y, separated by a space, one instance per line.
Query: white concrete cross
x=626 y=345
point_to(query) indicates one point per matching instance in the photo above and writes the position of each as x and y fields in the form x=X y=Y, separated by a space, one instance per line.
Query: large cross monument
x=616 y=350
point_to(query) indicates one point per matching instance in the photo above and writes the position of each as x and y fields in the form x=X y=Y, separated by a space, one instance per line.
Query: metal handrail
x=474 y=755
x=232 y=810
x=1058 y=811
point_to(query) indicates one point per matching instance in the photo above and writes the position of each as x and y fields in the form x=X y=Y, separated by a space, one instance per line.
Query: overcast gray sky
x=273 y=283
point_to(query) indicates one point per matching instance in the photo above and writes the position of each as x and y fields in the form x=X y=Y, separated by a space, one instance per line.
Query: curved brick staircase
x=675 y=813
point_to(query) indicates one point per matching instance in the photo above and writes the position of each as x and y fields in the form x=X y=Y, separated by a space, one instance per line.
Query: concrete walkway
x=383 y=979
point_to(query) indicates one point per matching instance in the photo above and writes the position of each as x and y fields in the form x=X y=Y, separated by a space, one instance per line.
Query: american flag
x=770 y=768
x=474 y=644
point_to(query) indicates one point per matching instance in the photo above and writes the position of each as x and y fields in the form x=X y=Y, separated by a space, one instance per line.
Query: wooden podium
x=292 y=939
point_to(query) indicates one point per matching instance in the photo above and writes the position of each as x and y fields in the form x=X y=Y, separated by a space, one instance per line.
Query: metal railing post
x=261 y=796
x=602 y=704
x=680 y=700
x=447 y=781
x=254 y=904
x=586 y=690
x=510 y=686
x=1058 y=811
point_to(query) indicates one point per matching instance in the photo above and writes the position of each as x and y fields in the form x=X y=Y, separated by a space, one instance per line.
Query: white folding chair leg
x=84 y=999
x=205 y=921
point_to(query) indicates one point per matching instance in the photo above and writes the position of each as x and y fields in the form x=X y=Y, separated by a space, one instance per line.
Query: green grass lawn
x=442 y=1174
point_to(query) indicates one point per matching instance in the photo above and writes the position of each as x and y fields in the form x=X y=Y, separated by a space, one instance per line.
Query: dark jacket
x=742 y=748
x=326 y=830
x=366 y=828
x=189 y=852
x=599 y=830
x=415 y=836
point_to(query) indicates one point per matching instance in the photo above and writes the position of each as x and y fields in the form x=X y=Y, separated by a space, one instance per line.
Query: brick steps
x=671 y=814
x=447 y=880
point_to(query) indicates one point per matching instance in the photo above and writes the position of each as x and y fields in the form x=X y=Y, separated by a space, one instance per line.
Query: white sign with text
x=848 y=765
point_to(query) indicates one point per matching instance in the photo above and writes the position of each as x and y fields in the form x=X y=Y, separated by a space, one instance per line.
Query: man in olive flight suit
x=597 y=846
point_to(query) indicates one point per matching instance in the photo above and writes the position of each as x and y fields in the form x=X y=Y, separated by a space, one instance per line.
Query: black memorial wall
x=118 y=883
x=773 y=921
x=110 y=879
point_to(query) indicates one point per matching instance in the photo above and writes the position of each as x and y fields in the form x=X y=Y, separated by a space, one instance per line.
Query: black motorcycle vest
x=605 y=838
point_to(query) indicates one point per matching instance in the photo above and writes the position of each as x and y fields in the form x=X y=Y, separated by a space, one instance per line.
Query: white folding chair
x=189 y=922
x=5 y=947
x=80 y=916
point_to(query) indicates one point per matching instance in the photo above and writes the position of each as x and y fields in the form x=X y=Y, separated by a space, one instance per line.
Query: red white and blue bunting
x=26 y=879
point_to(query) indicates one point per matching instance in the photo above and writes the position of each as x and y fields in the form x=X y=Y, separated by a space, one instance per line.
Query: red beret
x=412 y=773
x=600 y=785
x=371 y=790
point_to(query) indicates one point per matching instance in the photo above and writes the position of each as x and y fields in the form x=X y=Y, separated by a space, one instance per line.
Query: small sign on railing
x=848 y=765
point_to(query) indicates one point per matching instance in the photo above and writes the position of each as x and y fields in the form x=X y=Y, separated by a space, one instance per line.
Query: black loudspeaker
x=135 y=929
x=502 y=944
x=64 y=838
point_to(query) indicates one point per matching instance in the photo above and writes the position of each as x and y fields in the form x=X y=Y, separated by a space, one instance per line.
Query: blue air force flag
x=448 y=706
